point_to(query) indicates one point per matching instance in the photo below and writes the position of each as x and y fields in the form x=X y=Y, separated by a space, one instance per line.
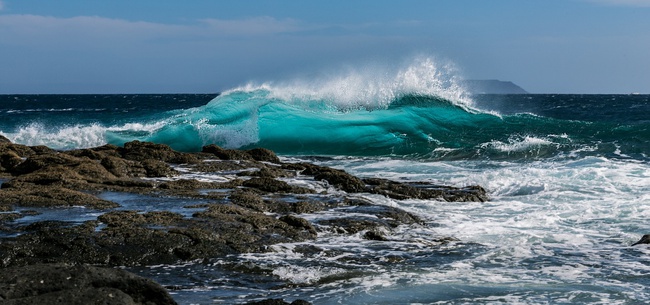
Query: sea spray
x=418 y=110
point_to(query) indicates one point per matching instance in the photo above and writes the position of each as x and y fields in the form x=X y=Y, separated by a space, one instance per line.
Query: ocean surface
x=568 y=177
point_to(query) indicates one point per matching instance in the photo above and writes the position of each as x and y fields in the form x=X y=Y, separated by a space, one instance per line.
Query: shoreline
x=249 y=209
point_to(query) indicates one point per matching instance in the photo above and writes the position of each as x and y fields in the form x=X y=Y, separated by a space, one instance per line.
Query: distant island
x=492 y=86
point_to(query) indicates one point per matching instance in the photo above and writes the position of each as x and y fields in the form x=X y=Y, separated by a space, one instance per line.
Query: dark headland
x=64 y=262
x=492 y=86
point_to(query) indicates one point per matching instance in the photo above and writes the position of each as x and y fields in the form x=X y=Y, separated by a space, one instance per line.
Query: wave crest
x=371 y=87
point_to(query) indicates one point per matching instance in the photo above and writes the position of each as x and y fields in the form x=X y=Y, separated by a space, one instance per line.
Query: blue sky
x=165 y=46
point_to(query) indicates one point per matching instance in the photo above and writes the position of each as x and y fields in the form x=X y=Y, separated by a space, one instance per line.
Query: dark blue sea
x=568 y=176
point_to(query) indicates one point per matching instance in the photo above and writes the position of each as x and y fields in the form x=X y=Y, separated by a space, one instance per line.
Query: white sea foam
x=564 y=222
x=63 y=138
x=77 y=136
x=372 y=86
x=517 y=144
x=304 y=275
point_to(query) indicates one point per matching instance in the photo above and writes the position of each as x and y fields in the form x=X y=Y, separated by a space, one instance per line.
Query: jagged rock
x=645 y=239
x=263 y=154
x=400 y=191
x=4 y=139
x=267 y=172
x=79 y=284
x=300 y=223
x=379 y=218
x=335 y=177
x=141 y=151
x=49 y=196
x=9 y=160
x=160 y=237
x=189 y=184
x=157 y=168
x=275 y=186
x=248 y=199
x=374 y=235
x=40 y=161
x=242 y=216
x=123 y=168
x=226 y=154
x=22 y=150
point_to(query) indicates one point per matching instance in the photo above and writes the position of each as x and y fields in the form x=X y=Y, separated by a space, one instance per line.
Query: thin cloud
x=634 y=3
x=30 y=29
x=253 y=26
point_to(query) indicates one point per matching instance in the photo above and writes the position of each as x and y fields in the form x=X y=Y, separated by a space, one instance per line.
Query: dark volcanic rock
x=226 y=154
x=123 y=168
x=400 y=191
x=275 y=186
x=250 y=211
x=48 y=196
x=64 y=284
x=645 y=239
x=335 y=177
x=248 y=199
x=141 y=151
x=370 y=218
x=263 y=154
x=4 y=139
x=132 y=238
x=257 y=154
x=9 y=160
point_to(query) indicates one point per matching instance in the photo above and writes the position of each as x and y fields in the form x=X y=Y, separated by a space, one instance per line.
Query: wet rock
x=264 y=155
x=48 y=196
x=123 y=168
x=248 y=199
x=22 y=150
x=9 y=160
x=4 y=139
x=401 y=191
x=130 y=238
x=37 y=162
x=304 y=207
x=222 y=166
x=4 y=217
x=226 y=154
x=157 y=168
x=242 y=215
x=370 y=218
x=335 y=177
x=299 y=223
x=189 y=184
x=80 y=284
x=375 y=235
x=267 y=172
x=141 y=151
x=275 y=186
x=351 y=225
x=645 y=239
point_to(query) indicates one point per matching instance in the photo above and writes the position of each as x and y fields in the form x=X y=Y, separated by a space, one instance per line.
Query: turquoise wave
x=408 y=125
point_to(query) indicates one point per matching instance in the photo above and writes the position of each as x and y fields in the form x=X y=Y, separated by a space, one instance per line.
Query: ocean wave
x=417 y=111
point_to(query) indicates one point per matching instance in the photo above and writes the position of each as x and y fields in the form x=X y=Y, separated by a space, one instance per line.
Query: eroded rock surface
x=248 y=207
x=80 y=284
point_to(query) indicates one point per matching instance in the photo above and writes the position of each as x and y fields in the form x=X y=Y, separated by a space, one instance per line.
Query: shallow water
x=554 y=232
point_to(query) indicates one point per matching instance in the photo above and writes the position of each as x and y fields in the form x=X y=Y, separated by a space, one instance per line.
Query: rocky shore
x=252 y=208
